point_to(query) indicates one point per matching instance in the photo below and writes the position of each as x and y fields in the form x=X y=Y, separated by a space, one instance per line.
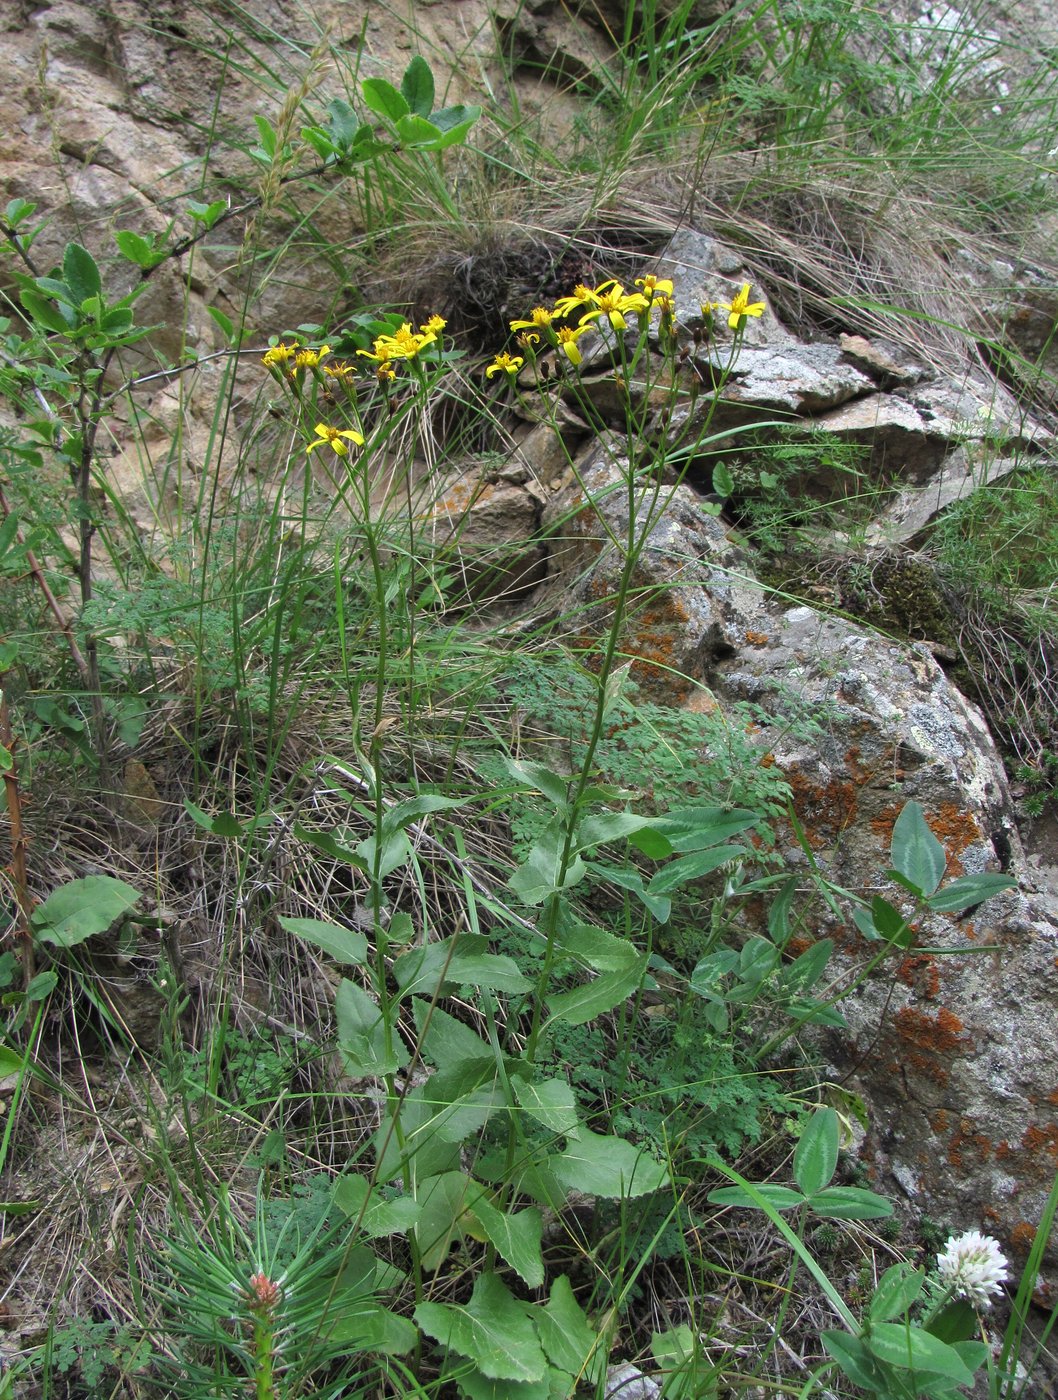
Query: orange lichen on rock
x=921 y=972
x=928 y=1040
x=757 y=639
x=1036 y=1157
x=964 y=1137
x=825 y=809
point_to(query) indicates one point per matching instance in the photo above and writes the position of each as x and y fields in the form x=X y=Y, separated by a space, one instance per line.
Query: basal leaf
x=816 y=1155
x=607 y=1166
x=82 y=908
x=916 y=852
x=345 y=945
x=492 y=1330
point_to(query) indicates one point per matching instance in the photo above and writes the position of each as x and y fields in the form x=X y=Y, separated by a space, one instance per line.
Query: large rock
x=952 y=1046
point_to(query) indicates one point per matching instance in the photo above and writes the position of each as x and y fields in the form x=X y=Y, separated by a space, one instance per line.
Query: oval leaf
x=816 y=1155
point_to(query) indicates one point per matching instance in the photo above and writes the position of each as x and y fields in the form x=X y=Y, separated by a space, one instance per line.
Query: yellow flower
x=539 y=318
x=434 y=326
x=528 y=339
x=507 y=364
x=341 y=369
x=278 y=356
x=383 y=352
x=335 y=438
x=655 y=287
x=581 y=296
x=614 y=303
x=567 y=342
x=740 y=307
x=309 y=359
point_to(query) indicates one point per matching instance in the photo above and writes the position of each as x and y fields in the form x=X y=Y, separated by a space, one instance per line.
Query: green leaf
x=968 y=890
x=956 y=1322
x=18 y=210
x=266 y=136
x=597 y=947
x=889 y=924
x=692 y=867
x=816 y=1155
x=384 y=852
x=607 y=1166
x=364 y=1325
x=550 y=1101
x=609 y=826
x=540 y=778
x=365 y=1048
x=492 y=1330
x=895 y=1291
x=444 y=1202
x=658 y=905
x=43 y=313
x=82 y=908
x=11 y=1062
x=384 y=99
x=805 y=971
x=778 y=1197
x=540 y=874
x=850 y=1203
x=516 y=1237
x=81 y=273
x=916 y=852
x=423 y=1152
x=911 y=1349
x=594 y=998
x=343 y=122
x=345 y=945
x=446 y=1042
x=417 y=86
x=854 y=1359
x=570 y=1341
x=474 y=1386
x=138 y=250
x=225 y=324
x=455 y=121
x=417 y=132
x=220 y=824
x=696 y=828
x=723 y=481
x=329 y=844
x=378 y=1217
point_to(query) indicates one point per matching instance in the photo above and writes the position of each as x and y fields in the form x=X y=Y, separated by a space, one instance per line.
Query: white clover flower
x=972 y=1266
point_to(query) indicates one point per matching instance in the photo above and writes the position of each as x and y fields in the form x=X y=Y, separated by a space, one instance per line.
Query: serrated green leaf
x=816 y=1155
x=82 y=908
x=368 y=1048
x=474 y=1386
x=569 y=1340
x=418 y=1148
x=968 y=890
x=607 y=1166
x=416 y=132
x=626 y=878
x=537 y=776
x=417 y=86
x=41 y=311
x=916 y=852
x=697 y=828
x=550 y=1101
x=516 y=1236
x=81 y=273
x=384 y=99
x=378 y=1217
x=597 y=948
x=602 y=994
x=137 y=249
x=723 y=481
x=446 y=1042
x=343 y=122
x=345 y=945
x=540 y=873
x=364 y=1325
x=492 y=1330
x=610 y=826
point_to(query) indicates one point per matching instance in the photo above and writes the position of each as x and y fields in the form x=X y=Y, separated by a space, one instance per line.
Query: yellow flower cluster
x=610 y=302
x=403 y=344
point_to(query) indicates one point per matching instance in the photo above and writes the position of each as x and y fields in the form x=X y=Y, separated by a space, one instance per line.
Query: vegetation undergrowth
x=431 y=1001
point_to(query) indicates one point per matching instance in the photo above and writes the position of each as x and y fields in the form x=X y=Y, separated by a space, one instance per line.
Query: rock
x=907 y=518
x=627 y=1382
x=484 y=525
x=887 y=365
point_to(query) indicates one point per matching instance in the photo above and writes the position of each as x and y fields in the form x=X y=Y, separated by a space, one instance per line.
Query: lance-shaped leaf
x=493 y=1331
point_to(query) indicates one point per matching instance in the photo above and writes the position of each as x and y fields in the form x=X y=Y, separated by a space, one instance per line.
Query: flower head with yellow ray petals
x=567 y=342
x=580 y=296
x=310 y=359
x=655 y=287
x=740 y=307
x=505 y=364
x=335 y=438
x=614 y=303
x=278 y=356
x=539 y=319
